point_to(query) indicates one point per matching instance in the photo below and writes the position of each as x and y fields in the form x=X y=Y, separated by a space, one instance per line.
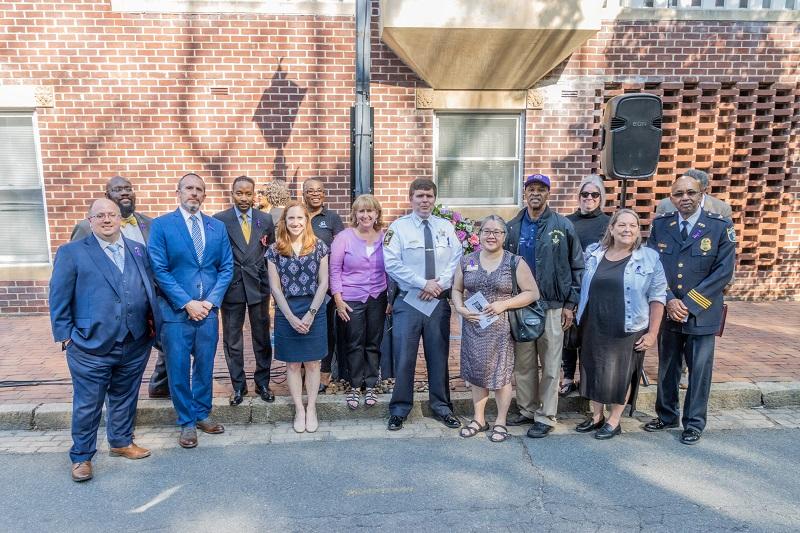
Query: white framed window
x=23 y=222
x=478 y=158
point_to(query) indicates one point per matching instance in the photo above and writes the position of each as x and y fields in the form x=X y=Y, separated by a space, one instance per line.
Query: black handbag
x=527 y=323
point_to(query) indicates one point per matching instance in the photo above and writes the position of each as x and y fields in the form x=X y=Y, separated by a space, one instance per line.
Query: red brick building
x=153 y=89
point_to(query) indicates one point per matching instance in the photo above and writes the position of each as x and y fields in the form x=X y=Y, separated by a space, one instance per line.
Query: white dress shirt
x=199 y=216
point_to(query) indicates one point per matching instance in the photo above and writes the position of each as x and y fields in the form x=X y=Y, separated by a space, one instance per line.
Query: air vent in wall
x=569 y=93
x=220 y=91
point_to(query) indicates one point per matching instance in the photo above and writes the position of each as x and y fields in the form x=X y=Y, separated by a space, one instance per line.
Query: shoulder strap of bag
x=514 y=287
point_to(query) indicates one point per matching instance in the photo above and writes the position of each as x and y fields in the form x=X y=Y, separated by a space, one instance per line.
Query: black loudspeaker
x=631 y=136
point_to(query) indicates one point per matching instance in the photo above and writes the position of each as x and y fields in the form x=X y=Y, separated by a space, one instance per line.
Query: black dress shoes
x=690 y=436
x=607 y=432
x=395 y=423
x=266 y=394
x=449 y=420
x=158 y=394
x=539 y=430
x=589 y=425
x=657 y=425
x=519 y=420
x=237 y=396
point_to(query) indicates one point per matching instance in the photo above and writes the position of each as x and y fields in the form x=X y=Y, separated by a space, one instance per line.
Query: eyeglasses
x=122 y=189
x=492 y=232
x=103 y=216
x=314 y=192
x=587 y=194
x=690 y=193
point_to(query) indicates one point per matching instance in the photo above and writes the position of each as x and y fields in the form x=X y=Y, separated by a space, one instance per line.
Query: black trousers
x=233 y=342
x=335 y=334
x=361 y=342
x=408 y=326
x=698 y=351
x=158 y=379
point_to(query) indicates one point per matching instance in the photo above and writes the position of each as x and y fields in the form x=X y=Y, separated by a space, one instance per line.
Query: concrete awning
x=486 y=44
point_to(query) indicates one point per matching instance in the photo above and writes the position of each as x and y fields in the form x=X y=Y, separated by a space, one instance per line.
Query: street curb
x=253 y=410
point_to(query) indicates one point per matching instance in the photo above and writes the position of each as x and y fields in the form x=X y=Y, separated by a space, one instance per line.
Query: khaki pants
x=537 y=397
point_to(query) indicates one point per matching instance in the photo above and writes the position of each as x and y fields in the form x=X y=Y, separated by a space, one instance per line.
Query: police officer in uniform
x=698 y=251
x=421 y=252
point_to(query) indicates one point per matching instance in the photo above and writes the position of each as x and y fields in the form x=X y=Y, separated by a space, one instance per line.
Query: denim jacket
x=645 y=282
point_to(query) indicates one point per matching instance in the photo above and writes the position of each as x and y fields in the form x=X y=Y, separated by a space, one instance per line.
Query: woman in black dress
x=590 y=224
x=623 y=293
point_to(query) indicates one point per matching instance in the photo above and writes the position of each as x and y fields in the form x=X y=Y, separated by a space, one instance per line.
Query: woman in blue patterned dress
x=298 y=279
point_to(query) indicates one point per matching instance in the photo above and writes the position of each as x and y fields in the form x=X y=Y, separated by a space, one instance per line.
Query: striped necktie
x=197 y=238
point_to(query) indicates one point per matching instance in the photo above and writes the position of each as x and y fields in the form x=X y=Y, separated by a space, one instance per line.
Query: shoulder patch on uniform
x=731 y=234
x=388 y=237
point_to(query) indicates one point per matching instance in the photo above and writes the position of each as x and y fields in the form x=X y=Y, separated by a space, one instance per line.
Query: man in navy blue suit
x=103 y=311
x=193 y=266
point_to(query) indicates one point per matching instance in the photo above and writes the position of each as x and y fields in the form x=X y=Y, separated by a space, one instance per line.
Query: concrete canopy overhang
x=486 y=44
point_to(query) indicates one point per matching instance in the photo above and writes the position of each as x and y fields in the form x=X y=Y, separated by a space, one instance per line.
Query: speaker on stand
x=630 y=138
x=630 y=143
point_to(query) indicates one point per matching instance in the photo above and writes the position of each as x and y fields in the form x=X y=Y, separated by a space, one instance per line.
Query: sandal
x=503 y=435
x=370 y=398
x=353 y=399
x=567 y=388
x=470 y=431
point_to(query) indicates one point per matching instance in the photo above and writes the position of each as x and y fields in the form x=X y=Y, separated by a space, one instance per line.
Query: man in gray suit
x=709 y=203
x=136 y=227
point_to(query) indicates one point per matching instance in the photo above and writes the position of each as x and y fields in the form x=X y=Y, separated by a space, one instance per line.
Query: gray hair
x=495 y=218
x=597 y=181
x=699 y=175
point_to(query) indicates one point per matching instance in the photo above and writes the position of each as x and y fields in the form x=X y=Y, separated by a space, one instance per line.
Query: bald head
x=104 y=218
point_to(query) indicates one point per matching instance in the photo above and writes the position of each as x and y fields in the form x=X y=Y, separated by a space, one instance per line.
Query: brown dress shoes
x=210 y=427
x=131 y=451
x=82 y=471
x=188 y=437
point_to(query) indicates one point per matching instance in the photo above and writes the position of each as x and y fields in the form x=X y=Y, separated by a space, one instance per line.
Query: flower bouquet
x=466 y=229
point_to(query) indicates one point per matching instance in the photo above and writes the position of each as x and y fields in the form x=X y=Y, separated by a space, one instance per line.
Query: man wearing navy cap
x=548 y=243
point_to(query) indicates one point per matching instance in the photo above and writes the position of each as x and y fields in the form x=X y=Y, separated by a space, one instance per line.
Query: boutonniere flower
x=208 y=225
x=137 y=251
x=258 y=222
x=264 y=240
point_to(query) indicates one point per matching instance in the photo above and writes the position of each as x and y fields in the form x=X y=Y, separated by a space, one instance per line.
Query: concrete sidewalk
x=757 y=363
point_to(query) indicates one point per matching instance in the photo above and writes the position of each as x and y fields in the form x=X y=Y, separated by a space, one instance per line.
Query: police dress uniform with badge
x=698 y=255
x=417 y=250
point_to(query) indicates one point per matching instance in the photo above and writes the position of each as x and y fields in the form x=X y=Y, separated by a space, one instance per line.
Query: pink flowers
x=465 y=228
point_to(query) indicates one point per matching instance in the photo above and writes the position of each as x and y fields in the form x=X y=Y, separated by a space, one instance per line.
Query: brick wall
x=154 y=96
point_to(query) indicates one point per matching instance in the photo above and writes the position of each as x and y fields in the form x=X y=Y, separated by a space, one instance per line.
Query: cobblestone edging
x=254 y=411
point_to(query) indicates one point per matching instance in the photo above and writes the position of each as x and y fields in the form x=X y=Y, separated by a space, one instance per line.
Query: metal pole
x=362 y=123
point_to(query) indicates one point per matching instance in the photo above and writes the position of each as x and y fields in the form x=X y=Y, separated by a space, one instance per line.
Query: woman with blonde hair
x=298 y=278
x=622 y=299
x=358 y=285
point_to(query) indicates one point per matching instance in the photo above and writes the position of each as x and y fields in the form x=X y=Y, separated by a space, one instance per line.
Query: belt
x=445 y=294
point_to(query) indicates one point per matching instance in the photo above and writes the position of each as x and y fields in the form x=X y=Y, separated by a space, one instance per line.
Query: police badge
x=731 y=234
x=388 y=237
x=705 y=244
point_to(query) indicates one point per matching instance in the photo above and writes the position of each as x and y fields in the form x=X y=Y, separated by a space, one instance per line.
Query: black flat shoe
x=266 y=394
x=519 y=420
x=690 y=436
x=539 y=430
x=237 y=397
x=657 y=425
x=395 y=423
x=607 y=432
x=449 y=420
x=589 y=425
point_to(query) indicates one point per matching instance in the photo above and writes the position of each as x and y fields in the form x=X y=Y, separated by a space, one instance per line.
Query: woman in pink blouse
x=358 y=285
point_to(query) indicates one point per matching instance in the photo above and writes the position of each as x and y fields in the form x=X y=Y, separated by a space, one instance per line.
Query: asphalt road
x=733 y=480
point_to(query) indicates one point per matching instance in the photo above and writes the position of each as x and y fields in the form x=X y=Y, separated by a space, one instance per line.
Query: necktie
x=430 y=258
x=684 y=231
x=197 y=238
x=116 y=255
x=245 y=228
x=129 y=220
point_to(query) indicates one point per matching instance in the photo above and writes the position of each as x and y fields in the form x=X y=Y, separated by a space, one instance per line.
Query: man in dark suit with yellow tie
x=250 y=232
x=136 y=227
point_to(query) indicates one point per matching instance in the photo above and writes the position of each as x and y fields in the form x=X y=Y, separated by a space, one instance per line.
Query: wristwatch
x=312 y=311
